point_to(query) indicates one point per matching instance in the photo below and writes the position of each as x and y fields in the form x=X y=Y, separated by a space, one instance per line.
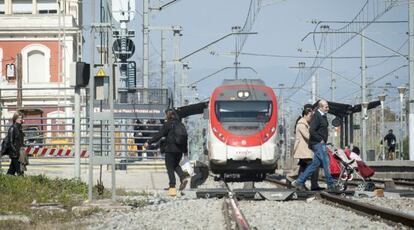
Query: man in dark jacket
x=16 y=136
x=173 y=151
x=391 y=141
x=318 y=131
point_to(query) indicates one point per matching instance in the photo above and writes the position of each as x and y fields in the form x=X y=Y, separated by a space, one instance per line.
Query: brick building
x=37 y=44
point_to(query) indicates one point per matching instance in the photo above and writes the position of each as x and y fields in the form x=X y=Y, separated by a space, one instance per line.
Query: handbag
x=364 y=170
x=186 y=166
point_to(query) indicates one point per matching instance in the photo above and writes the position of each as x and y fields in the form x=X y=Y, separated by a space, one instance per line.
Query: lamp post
x=401 y=91
x=382 y=99
x=363 y=130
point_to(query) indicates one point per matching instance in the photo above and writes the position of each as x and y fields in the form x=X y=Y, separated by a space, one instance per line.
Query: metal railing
x=49 y=122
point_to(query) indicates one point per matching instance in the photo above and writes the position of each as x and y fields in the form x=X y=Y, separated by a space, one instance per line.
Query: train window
x=243 y=111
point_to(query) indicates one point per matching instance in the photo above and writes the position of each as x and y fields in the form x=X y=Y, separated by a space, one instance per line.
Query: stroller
x=343 y=169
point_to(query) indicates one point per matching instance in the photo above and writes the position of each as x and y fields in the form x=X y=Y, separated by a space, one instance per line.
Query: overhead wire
x=357 y=27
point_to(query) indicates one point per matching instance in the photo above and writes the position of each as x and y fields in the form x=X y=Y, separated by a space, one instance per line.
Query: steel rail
x=385 y=213
x=238 y=216
x=236 y=213
x=356 y=181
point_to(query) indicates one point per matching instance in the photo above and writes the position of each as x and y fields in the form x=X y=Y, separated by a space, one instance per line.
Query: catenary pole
x=363 y=100
x=91 y=106
x=411 y=77
x=145 y=43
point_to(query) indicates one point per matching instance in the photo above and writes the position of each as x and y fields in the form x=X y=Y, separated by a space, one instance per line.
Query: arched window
x=35 y=59
x=36 y=63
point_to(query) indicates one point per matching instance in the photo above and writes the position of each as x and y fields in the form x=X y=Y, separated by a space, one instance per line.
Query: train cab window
x=243 y=111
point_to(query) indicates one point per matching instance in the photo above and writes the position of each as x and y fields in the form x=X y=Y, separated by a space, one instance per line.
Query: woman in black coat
x=16 y=136
x=173 y=151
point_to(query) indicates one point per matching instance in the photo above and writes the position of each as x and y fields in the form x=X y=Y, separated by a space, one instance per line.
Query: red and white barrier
x=52 y=152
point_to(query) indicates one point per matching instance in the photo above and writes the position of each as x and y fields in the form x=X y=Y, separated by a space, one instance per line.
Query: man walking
x=391 y=140
x=318 y=130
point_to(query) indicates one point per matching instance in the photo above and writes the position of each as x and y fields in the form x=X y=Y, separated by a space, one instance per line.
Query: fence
x=49 y=122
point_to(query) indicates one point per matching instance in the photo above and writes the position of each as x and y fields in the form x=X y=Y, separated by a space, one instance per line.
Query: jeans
x=303 y=165
x=172 y=162
x=320 y=157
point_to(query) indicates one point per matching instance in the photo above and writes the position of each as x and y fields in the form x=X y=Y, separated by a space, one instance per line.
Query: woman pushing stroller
x=318 y=135
x=301 y=149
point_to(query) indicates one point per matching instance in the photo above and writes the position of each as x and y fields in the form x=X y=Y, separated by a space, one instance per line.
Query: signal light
x=243 y=94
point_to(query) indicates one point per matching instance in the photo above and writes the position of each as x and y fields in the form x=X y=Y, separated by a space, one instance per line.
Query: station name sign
x=121 y=110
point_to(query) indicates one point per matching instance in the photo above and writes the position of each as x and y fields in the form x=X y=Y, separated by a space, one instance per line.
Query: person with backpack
x=16 y=140
x=175 y=145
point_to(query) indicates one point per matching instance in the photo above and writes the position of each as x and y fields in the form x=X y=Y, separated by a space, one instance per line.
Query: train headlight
x=221 y=136
x=243 y=94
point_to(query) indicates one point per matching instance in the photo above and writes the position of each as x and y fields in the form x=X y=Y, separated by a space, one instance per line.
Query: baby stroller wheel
x=341 y=186
x=369 y=186
x=361 y=187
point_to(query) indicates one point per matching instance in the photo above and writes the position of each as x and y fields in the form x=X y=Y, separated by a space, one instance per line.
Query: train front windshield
x=243 y=111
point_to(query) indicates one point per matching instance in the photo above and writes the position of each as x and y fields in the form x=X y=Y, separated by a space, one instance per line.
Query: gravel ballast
x=163 y=213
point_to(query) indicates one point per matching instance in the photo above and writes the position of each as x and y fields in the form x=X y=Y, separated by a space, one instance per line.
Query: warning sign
x=100 y=73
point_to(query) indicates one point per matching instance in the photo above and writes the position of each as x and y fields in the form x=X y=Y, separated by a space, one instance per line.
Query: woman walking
x=301 y=149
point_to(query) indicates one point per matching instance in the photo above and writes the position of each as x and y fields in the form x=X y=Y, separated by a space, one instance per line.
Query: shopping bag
x=334 y=166
x=186 y=166
x=364 y=170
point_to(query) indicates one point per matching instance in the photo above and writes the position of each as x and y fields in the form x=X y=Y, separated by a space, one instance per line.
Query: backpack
x=180 y=134
x=5 y=144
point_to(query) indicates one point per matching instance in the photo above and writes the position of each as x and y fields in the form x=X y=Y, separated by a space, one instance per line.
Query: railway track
x=234 y=217
x=340 y=200
x=371 y=210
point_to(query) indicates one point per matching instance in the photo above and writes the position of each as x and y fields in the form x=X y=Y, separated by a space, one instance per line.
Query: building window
x=36 y=63
x=22 y=6
x=35 y=74
x=47 y=6
x=2 y=8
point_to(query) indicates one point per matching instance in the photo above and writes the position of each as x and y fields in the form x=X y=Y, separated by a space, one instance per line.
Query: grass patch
x=17 y=193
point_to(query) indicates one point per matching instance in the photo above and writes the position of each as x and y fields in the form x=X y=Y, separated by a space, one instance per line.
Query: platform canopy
x=342 y=110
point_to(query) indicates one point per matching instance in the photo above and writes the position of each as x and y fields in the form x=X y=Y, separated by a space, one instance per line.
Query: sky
x=280 y=27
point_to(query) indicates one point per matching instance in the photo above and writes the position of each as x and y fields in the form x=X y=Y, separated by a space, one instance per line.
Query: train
x=242 y=130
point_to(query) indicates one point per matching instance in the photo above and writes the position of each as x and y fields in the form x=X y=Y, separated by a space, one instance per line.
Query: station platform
x=395 y=169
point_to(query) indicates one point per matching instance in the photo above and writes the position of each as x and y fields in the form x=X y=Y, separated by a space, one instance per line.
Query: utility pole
x=282 y=122
x=313 y=90
x=91 y=106
x=333 y=81
x=411 y=77
x=333 y=87
x=177 y=67
x=145 y=43
x=163 y=62
x=363 y=100
x=19 y=79
x=236 y=29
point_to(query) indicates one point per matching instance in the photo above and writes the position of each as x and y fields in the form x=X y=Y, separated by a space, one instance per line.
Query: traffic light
x=79 y=74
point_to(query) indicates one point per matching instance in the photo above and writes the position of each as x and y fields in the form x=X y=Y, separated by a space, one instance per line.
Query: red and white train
x=242 y=130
